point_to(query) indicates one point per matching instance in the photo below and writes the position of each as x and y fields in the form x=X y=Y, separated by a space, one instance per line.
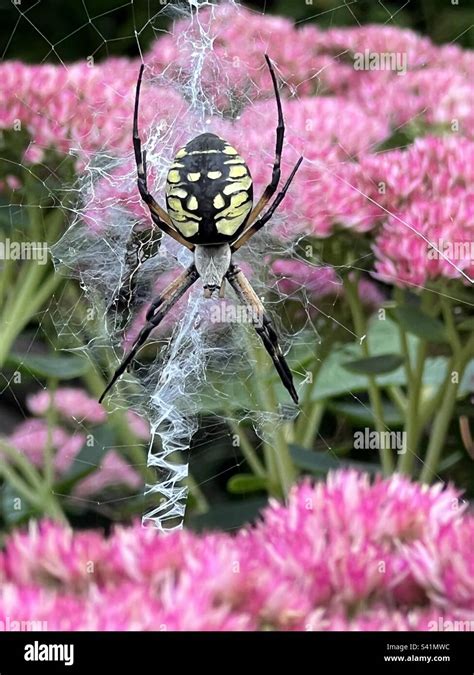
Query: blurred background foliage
x=50 y=29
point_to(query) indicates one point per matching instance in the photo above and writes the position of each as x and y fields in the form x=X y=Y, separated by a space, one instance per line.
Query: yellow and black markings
x=209 y=190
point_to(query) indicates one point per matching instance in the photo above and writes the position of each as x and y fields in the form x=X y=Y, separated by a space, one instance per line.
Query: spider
x=209 y=198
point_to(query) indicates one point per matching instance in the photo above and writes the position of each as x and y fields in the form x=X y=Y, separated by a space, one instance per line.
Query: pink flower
x=446 y=566
x=428 y=240
x=139 y=425
x=32 y=437
x=294 y=275
x=112 y=471
x=52 y=556
x=344 y=554
x=229 y=27
x=74 y=404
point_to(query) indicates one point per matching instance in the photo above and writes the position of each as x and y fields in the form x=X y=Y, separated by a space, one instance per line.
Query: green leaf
x=414 y=321
x=383 y=337
x=375 y=365
x=467 y=324
x=466 y=386
x=228 y=516
x=399 y=139
x=61 y=367
x=362 y=415
x=244 y=483
x=322 y=462
x=14 y=508
x=451 y=460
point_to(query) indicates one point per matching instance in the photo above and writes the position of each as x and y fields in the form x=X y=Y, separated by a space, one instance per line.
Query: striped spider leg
x=141 y=246
x=156 y=313
x=263 y=325
x=159 y=215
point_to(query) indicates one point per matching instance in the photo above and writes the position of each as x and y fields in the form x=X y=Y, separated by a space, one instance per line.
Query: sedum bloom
x=77 y=411
x=349 y=553
x=71 y=403
x=429 y=211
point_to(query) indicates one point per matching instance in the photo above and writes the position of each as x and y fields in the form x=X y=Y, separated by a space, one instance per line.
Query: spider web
x=186 y=379
x=195 y=353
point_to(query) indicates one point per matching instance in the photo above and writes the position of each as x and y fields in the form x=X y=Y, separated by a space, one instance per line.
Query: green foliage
x=49 y=365
x=103 y=28
x=416 y=322
x=375 y=365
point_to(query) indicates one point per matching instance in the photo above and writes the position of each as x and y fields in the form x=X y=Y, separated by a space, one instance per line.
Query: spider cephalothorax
x=209 y=197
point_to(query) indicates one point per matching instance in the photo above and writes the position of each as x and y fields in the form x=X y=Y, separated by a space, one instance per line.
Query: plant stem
x=412 y=427
x=445 y=412
x=33 y=492
x=351 y=289
x=246 y=447
x=270 y=466
x=5 y=279
x=285 y=467
x=52 y=508
x=48 y=461
x=22 y=463
x=24 y=305
x=280 y=471
x=21 y=487
x=202 y=505
x=438 y=432
x=311 y=412
x=400 y=300
x=15 y=317
x=453 y=337
x=398 y=398
x=312 y=423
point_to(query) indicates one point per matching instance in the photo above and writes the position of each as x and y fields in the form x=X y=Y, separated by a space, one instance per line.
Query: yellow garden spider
x=209 y=197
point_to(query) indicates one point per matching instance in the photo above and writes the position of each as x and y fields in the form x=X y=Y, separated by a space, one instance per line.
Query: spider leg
x=184 y=277
x=262 y=325
x=158 y=310
x=280 y=134
x=158 y=214
x=142 y=245
x=250 y=231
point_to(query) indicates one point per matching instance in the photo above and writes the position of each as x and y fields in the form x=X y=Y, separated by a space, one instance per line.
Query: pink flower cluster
x=77 y=412
x=346 y=554
x=435 y=85
x=316 y=282
x=83 y=109
x=337 y=116
x=429 y=200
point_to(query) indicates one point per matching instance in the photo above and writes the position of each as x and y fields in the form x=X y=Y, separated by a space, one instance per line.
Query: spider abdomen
x=209 y=191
